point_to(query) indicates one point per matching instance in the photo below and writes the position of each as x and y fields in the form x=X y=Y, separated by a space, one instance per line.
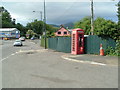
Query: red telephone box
x=77 y=46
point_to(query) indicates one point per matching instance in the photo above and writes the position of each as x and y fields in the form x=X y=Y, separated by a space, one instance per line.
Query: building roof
x=63 y=29
x=8 y=29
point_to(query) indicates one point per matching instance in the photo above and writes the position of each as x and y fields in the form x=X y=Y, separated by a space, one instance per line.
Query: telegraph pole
x=92 y=18
x=45 y=24
x=41 y=15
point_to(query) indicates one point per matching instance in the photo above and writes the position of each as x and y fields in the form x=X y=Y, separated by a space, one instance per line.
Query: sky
x=60 y=11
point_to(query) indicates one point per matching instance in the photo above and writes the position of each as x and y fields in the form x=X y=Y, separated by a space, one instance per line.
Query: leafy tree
x=84 y=24
x=102 y=27
x=38 y=27
x=51 y=29
x=6 y=18
x=31 y=33
x=22 y=29
x=105 y=28
x=118 y=14
x=2 y=9
x=118 y=19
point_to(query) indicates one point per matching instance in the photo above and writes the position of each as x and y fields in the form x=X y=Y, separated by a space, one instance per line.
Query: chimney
x=61 y=26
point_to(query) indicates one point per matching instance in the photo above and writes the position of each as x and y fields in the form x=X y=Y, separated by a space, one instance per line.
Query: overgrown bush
x=110 y=51
x=113 y=51
x=117 y=49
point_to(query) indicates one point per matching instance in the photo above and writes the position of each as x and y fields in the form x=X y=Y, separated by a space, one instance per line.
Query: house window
x=59 y=32
x=65 y=32
x=12 y=33
x=3 y=33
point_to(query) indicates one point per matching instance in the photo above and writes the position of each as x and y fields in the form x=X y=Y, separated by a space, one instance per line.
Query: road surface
x=34 y=67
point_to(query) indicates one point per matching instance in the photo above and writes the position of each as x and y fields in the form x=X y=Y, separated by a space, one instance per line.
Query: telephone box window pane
x=73 y=43
x=59 y=32
x=65 y=32
x=80 y=40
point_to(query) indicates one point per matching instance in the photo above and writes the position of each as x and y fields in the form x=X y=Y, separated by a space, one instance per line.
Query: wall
x=11 y=34
x=62 y=30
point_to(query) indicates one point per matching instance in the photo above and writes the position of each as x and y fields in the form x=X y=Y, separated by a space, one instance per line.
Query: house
x=9 y=33
x=62 y=32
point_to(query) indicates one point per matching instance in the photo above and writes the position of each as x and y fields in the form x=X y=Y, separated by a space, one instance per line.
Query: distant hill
x=54 y=25
x=70 y=25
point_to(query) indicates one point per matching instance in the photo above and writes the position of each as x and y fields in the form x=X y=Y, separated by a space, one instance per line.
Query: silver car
x=18 y=43
x=22 y=38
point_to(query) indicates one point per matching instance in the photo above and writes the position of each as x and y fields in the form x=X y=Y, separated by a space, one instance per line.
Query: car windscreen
x=17 y=41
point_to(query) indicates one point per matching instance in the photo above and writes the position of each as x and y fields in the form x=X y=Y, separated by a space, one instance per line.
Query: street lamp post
x=40 y=13
x=41 y=18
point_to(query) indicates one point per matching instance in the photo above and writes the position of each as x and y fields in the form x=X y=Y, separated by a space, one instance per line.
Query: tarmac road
x=7 y=47
x=35 y=67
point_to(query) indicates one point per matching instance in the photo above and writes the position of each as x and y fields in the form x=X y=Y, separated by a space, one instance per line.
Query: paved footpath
x=93 y=59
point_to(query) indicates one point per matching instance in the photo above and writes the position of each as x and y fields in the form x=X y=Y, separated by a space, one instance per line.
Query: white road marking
x=98 y=63
x=41 y=50
x=20 y=51
x=81 y=61
x=8 y=56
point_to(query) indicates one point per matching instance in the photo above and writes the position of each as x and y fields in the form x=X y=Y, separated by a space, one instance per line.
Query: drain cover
x=30 y=53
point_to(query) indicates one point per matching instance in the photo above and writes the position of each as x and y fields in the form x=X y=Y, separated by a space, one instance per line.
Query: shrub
x=113 y=51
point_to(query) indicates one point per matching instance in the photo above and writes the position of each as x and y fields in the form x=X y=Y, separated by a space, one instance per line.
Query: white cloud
x=59 y=13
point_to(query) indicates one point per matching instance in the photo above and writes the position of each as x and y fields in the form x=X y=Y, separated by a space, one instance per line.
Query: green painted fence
x=62 y=44
x=92 y=44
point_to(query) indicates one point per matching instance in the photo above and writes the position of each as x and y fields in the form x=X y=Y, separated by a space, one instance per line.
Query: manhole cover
x=30 y=52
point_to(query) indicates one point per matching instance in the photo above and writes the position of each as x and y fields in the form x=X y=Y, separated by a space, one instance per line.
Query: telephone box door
x=80 y=43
